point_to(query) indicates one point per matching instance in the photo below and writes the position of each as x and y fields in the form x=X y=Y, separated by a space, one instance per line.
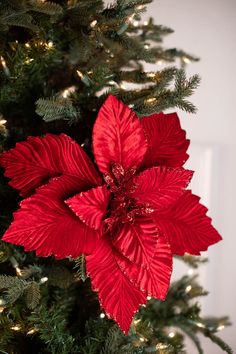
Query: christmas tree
x=59 y=61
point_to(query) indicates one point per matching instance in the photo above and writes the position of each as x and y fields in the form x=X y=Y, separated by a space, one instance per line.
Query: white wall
x=207 y=28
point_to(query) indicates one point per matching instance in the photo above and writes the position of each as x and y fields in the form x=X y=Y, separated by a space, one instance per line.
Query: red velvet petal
x=46 y=224
x=118 y=136
x=119 y=298
x=137 y=241
x=91 y=206
x=186 y=226
x=33 y=162
x=167 y=141
x=155 y=279
x=160 y=186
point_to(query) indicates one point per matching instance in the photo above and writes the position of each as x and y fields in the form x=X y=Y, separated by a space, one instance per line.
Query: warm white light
x=220 y=327
x=140 y=7
x=151 y=75
x=18 y=271
x=102 y=315
x=2 y=122
x=146 y=46
x=28 y=61
x=151 y=100
x=2 y=309
x=135 y=23
x=43 y=280
x=201 y=325
x=16 y=328
x=142 y=339
x=27 y=45
x=159 y=62
x=145 y=23
x=79 y=73
x=171 y=334
x=148 y=297
x=188 y=288
x=130 y=19
x=161 y=346
x=190 y=271
x=68 y=91
x=32 y=331
x=3 y=62
x=49 y=45
x=93 y=23
x=186 y=60
x=2 y=302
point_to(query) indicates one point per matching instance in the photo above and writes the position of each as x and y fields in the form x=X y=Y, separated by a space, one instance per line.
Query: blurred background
x=208 y=30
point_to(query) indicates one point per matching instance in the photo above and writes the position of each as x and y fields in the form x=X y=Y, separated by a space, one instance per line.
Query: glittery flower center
x=122 y=207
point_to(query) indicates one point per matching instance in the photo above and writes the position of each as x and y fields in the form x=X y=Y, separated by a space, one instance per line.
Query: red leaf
x=119 y=298
x=186 y=226
x=160 y=186
x=167 y=141
x=137 y=241
x=91 y=206
x=46 y=224
x=155 y=278
x=33 y=162
x=118 y=136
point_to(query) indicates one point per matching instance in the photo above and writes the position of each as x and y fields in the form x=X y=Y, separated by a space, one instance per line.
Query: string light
x=15 y=265
x=148 y=297
x=49 y=45
x=18 y=271
x=2 y=302
x=80 y=74
x=16 y=328
x=135 y=23
x=3 y=62
x=200 y=325
x=220 y=327
x=186 y=60
x=2 y=308
x=32 y=331
x=102 y=315
x=151 y=100
x=93 y=23
x=28 y=61
x=135 y=322
x=145 y=23
x=160 y=62
x=43 y=280
x=146 y=46
x=190 y=271
x=68 y=91
x=161 y=346
x=4 y=66
x=141 y=7
x=142 y=339
x=27 y=45
x=122 y=86
x=2 y=122
x=151 y=75
x=171 y=334
x=188 y=288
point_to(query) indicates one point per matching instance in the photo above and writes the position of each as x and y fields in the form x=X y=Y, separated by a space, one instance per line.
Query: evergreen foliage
x=58 y=61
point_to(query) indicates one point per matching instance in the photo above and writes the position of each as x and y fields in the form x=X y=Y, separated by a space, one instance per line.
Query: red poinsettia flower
x=129 y=223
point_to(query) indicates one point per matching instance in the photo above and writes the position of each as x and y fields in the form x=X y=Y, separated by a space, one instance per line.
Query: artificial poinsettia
x=129 y=222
